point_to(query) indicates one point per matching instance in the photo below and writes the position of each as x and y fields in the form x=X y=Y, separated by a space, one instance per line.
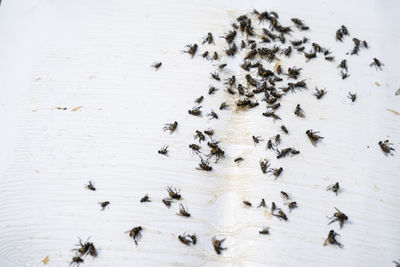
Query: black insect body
x=91 y=186
x=217 y=244
x=104 y=204
x=334 y=188
x=146 y=198
x=163 y=151
x=332 y=239
x=171 y=127
x=338 y=216
x=313 y=136
x=195 y=111
x=386 y=146
x=136 y=234
x=191 y=49
x=264 y=231
x=183 y=211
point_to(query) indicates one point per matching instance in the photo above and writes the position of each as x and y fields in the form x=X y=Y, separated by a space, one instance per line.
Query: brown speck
x=397 y=92
x=46 y=260
x=394 y=111
x=38 y=79
x=377 y=84
x=77 y=108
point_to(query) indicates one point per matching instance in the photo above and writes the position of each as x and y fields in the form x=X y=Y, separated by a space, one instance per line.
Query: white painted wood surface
x=97 y=55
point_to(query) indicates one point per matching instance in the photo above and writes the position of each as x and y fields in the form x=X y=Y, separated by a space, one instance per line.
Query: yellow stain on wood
x=38 y=79
x=394 y=111
x=46 y=260
x=377 y=84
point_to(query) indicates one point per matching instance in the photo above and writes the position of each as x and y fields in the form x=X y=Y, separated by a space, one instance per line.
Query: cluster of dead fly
x=260 y=47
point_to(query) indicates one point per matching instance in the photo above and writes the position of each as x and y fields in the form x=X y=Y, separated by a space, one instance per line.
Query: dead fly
x=212 y=90
x=330 y=58
x=247 y=203
x=136 y=234
x=205 y=55
x=217 y=244
x=273 y=207
x=344 y=75
x=86 y=248
x=213 y=144
x=338 y=216
x=215 y=76
x=264 y=165
x=343 y=65
x=344 y=30
x=287 y=52
x=261 y=72
x=271 y=114
x=231 y=51
x=334 y=188
x=167 y=202
x=188 y=239
x=264 y=231
x=251 y=54
x=352 y=97
x=317 y=48
x=292 y=205
x=377 y=64
x=209 y=39
x=313 y=136
x=104 y=204
x=230 y=37
x=174 y=193
x=251 y=80
x=299 y=111
x=242 y=44
x=199 y=100
x=76 y=261
x=310 y=55
x=223 y=106
x=163 y=151
x=279 y=72
x=90 y=186
x=238 y=160
x=300 y=49
x=277 y=139
x=191 y=49
x=281 y=215
x=284 y=129
x=386 y=146
x=222 y=66
x=157 y=65
x=285 y=195
x=204 y=165
x=195 y=111
x=257 y=139
x=332 y=239
x=231 y=81
x=270 y=145
x=341 y=33
x=171 y=127
x=397 y=263
x=195 y=148
x=293 y=72
x=293 y=151
x=262 y=204
x=209 y=132
x=319 y=93
x=183 y=211
x=213 y=115
x=217 y=152
x=60 y=108
x=275 y=106
x=146 y=198
x=276 y=172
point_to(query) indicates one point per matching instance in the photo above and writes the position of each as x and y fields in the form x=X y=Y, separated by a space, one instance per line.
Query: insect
x=163 y=151
x=157 y=65
x=251 y=80
x=319 y=93
x=205 y=165
x=264 y=231
x=334 y=188
x=270 y=145
x=183 y=211
x=209 y=39
x=76 y=261
x=277 y=139
x=199 y=99
x=212 y=90
x=285 y=195
x=104 y=204
x=264 y=165
x=257 y=139
x=167 y=202
x=191 y=49
x=238 y=160
x=217 y=244
x=377 y=64
x=293 y=72
x=343 y=65
x=215 y=76
x=284 y=129
x=330 y=58
x=195 y=111
x=283 y=153
x=84 y=247
x=200 y=136
x=344 y=75
x=276 y=172
x=223 y=106
x=299 y=111
x=231 y=51
x=313 y=136
x=274 y=106
x=386 y=146
x=271 y=114
x=217 y=152
x=213 y=115
x=397 y=263
x=310 y=55
x=230 y=36
x=171 y=127
x=281 y=215
x=332 y=239
x=195 y=148
x=352 y=97
x=262 y=204
x=209 y=132
x=273 y=207
x=338 y=216
x=146 y=198
x=292 y=205
x=247 y=203
x=174 y=193
x=222 y=66
x=397 y=92
x=90 y=186
x=185 y=239
x=339 y=35
x=136 y=234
